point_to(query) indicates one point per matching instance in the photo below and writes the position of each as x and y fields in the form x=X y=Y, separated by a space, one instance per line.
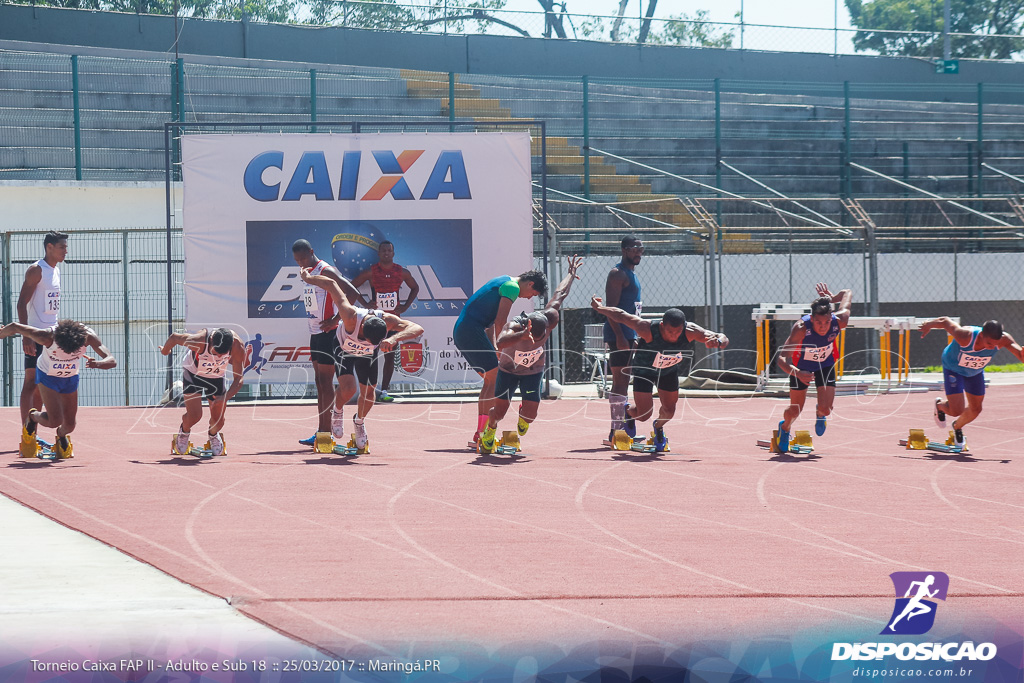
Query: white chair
x=596 y=353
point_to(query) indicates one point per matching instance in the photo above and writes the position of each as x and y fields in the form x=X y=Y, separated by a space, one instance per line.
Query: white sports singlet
x=54 y=362
x=207 y=363
x=350 y=342
x=44 y=306
x=319 y=304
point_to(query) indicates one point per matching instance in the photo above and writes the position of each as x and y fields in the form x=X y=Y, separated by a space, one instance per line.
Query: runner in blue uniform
x=963 y=369
x=486 y=311
x=809 y=354
x=622 y=290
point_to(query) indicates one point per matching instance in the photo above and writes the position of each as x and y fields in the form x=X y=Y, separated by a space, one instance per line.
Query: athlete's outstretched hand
x=596 y=302
x=387 y=345
x=304 y=274
x=574 y=264
x=823 y=290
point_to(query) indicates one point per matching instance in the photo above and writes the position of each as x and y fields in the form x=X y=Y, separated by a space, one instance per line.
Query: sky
x=820 y=14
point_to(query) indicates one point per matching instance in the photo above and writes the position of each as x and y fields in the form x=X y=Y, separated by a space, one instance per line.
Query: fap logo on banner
x=456 y=207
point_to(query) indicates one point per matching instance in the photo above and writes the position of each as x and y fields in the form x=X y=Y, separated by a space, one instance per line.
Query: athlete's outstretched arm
x=106 y=361
x=192 y=341
x=406 y=330
x=351 y=294
x=841 y=302
x=346 y=310
x=617 y=315
x=237 y=361
x=794 y=342
x=1011 y=345
x=565 y=285
x=711 y=340
x=961 y=335
x=38 y=336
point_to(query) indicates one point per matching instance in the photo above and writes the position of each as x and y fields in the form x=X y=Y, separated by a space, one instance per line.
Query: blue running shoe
x=660 y=442
x=308 y=442
x=44 y=443
x=783 y=438
x=819 y=425
x=629 y=424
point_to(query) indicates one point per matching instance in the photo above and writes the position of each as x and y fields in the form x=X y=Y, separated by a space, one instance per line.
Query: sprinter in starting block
x=521 y=355
x=661 y=348
x=963 y=369
x=57 y=373
x=810 y=354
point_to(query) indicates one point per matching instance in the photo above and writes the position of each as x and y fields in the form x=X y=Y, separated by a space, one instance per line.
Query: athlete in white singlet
x=361 y=332
x=208 y=354
x=62 y=348
x=322 y=318
x=39 y=306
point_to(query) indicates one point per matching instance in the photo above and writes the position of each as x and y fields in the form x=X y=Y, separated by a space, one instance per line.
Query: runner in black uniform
x=662 y=346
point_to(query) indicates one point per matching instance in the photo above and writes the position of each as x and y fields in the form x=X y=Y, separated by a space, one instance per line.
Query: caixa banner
x=456 y=207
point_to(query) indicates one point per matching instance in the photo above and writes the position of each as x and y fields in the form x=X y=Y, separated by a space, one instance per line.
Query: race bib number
x=64 y=368
x=973 y=362
x=817 y=354
x=310 y=302
x=354 y=347
x=53 y=301
x=525 y=359
x=667 y=360
x=214 y=367
x=639 y=307
x=387 y=301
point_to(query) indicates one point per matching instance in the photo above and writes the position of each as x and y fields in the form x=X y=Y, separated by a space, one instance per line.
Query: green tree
x=914 y=27
x=694 y=31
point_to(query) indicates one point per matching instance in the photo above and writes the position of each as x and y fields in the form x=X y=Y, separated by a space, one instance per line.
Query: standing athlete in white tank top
x=39 y=307
x=208 y=353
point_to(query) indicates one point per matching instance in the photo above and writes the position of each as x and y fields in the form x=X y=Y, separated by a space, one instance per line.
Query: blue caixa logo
x=916 y=595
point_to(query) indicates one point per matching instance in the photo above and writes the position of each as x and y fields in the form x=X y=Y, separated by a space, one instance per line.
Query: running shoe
x=487 y=440
x=783 y=438
x=629 y=424
x=383 y=397
x=181 y=443
x=819 y=425
x=940 y=417
x=217 y=444
x=63 y=448
x=311 y=441
x=660 y=442
x=522 y=426
x=360 y=435
x=958 y=438
x=338 y=425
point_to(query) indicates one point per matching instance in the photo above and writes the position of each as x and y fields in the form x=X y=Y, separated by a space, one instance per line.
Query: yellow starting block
x=801 y=438
x=621 y=441
x=917 y=441
x=799 y=442
x=509 y=443
x=352 y=448
x=323 y=443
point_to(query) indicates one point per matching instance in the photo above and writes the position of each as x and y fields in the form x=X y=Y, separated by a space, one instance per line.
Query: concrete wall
x=86 y=205
x=494 y=54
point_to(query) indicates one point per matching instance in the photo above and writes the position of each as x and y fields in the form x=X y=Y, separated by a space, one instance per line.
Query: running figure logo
x=254 y=359
x=914 y=613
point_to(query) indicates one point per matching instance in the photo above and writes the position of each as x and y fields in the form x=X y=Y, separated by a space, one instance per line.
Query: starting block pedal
x=799 y=443
x=352 y=449
x=201 y=453
x=621 y=441
x=642 y=445
x=917 y=441
x=509 y=444
x=323 y=442
x=47 y=454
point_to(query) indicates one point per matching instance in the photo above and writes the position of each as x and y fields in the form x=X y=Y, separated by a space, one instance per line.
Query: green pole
x=312 y=98
x=451 y=101
x=78 y=117
x=981 y=139
x=586 y=159
x=127 y=325
x=718 y=147
x=847 y=184
x=181 y=89
x=5 y=289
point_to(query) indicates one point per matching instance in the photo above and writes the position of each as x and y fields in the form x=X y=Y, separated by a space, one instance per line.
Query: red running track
x=567 y=544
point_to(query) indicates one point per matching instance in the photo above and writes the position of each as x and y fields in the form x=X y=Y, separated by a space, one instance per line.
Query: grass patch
x=1009 y=367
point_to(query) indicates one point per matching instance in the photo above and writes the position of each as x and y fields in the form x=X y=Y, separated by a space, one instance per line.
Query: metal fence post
x=127 y=318
x=77 y=117
x=451 y=101
x=5 y=288
x=981 y=139
x=847 y=185
x=312 y=98
x=718 y=148
x=586 y=160
x=175 y=96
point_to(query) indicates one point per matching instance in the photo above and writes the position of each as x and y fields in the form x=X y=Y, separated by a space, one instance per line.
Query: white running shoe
x=338 y=425
x=360 y=432
x=181 y=443
x=217 y=444
x=958 y=439
x=940 y=417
